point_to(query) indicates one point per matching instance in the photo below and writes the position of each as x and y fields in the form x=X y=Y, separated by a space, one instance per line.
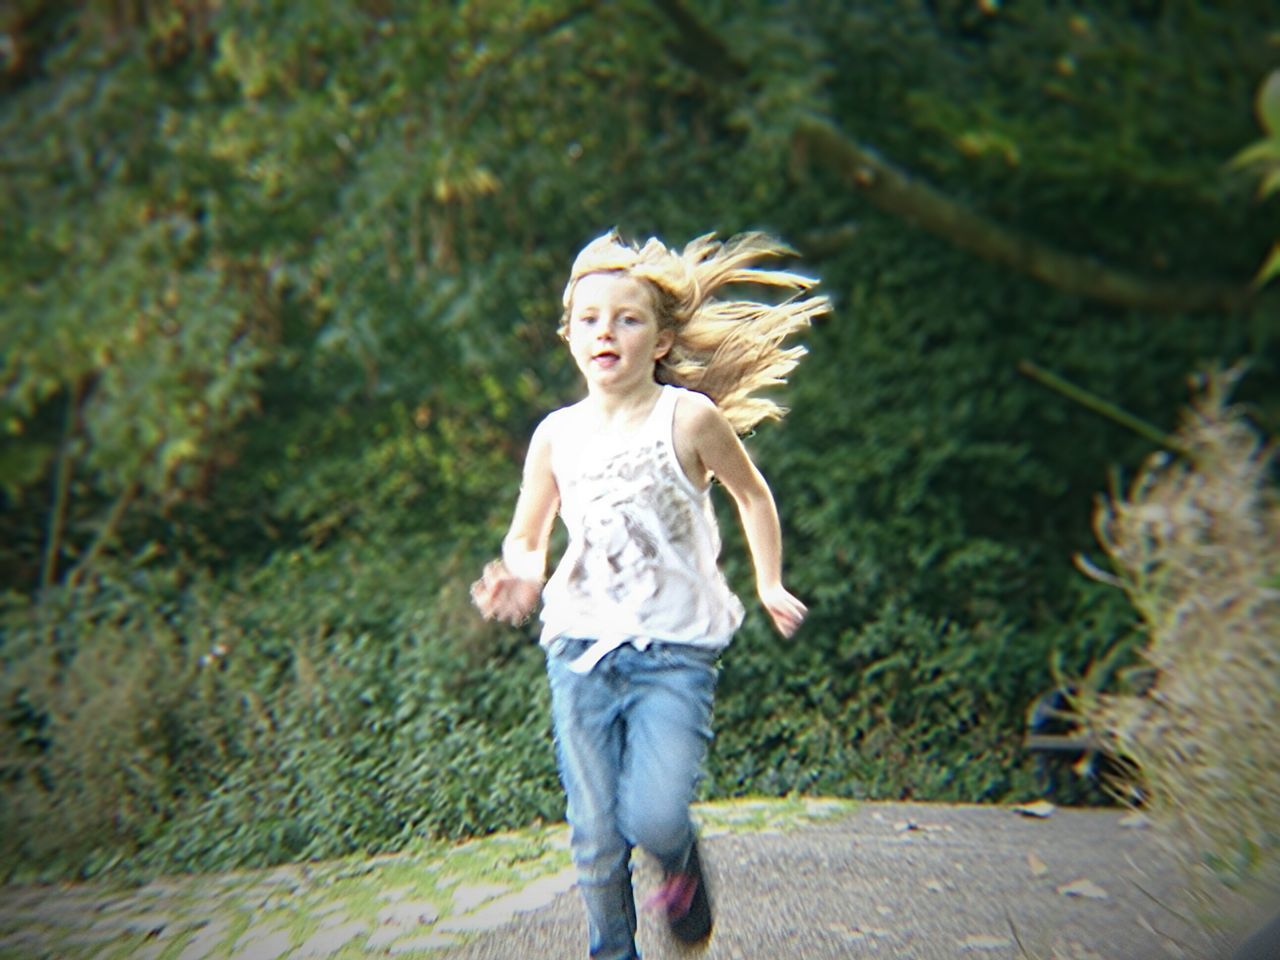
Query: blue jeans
x=630 y=739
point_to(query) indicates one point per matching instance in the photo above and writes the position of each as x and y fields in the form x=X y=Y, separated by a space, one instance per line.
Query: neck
x=621 y=408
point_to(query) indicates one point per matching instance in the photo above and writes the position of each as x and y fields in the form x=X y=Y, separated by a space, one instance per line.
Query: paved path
x=799 y=879
x=913 y=882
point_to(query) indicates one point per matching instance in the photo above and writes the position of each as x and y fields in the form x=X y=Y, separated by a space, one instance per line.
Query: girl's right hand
x=499 y=595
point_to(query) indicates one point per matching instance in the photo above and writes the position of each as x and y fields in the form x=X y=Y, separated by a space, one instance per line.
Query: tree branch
x=61 y=487
x=698 y=47
x=105 y=533
x=897 y=192
x=107 y=530
x=1101 y=406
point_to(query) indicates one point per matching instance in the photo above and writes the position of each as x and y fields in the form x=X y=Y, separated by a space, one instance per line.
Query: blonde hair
x=726 y=349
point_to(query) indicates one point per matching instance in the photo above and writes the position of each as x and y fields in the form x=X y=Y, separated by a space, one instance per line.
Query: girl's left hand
x=786 y=611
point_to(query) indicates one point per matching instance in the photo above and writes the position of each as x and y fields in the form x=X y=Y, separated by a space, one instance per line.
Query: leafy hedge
x=278 y=316
x=318 y=712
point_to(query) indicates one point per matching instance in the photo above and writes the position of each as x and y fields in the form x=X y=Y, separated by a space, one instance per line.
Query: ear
x=666 y=339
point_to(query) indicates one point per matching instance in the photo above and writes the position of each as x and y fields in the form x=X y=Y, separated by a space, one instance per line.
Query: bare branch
x=897 y=192
x=62 y=485
x=699 y=48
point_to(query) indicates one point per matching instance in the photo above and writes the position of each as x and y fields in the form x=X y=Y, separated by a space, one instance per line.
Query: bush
x=1195 y=545
x=310 y=713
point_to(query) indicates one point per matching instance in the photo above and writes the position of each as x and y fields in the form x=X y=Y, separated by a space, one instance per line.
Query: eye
x=631 y=320
x=587 y=319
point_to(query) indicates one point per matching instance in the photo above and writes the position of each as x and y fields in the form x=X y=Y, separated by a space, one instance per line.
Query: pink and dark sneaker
x=684 y=901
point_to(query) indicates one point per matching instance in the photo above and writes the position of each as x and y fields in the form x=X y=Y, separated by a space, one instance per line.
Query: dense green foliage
x=278 y=292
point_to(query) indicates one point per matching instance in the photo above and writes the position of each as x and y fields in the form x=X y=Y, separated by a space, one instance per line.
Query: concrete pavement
x=914 y=882
x=808 y=879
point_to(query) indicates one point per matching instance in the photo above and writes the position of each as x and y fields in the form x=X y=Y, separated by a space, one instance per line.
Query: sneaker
x=683 y=898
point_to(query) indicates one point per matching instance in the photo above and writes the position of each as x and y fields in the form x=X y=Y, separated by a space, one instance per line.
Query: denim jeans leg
x=667 y=732
x=586 y=713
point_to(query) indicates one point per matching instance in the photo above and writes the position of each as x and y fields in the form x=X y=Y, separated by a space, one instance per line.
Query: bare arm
x=721 y=452
x=509 y=588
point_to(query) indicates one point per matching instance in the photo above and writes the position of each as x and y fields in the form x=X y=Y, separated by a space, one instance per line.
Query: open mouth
x=605 y=358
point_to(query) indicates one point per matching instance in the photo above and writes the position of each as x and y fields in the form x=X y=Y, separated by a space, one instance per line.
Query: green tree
x=278 y=294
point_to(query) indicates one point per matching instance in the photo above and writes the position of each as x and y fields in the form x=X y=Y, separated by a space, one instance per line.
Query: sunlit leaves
x=1270 y=266
x=1262 y=158
x=1267 y=104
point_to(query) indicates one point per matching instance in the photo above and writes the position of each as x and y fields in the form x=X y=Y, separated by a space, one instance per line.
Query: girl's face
x=613 y=332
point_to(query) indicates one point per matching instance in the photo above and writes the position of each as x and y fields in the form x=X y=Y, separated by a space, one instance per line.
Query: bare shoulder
x=548 y=437
x=562 y=436
x=553 y=425
x=698 y=419
x=699 y=431
x=695 y=410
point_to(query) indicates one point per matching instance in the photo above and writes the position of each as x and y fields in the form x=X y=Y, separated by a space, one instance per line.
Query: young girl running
x=637 y=611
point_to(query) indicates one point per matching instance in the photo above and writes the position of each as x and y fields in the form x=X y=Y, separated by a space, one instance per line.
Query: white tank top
x=640 y=565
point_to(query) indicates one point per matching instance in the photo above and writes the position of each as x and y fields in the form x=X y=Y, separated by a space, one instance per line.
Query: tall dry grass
x=1195 y=543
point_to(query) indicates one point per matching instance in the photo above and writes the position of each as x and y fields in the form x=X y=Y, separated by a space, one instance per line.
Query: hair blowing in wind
x=729 y=349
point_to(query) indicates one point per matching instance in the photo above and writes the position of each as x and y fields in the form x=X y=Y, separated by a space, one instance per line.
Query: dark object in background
x=1072 y=767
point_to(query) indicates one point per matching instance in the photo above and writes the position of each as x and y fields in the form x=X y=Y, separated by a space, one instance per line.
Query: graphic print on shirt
x=619 y=556
x=640 y=563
